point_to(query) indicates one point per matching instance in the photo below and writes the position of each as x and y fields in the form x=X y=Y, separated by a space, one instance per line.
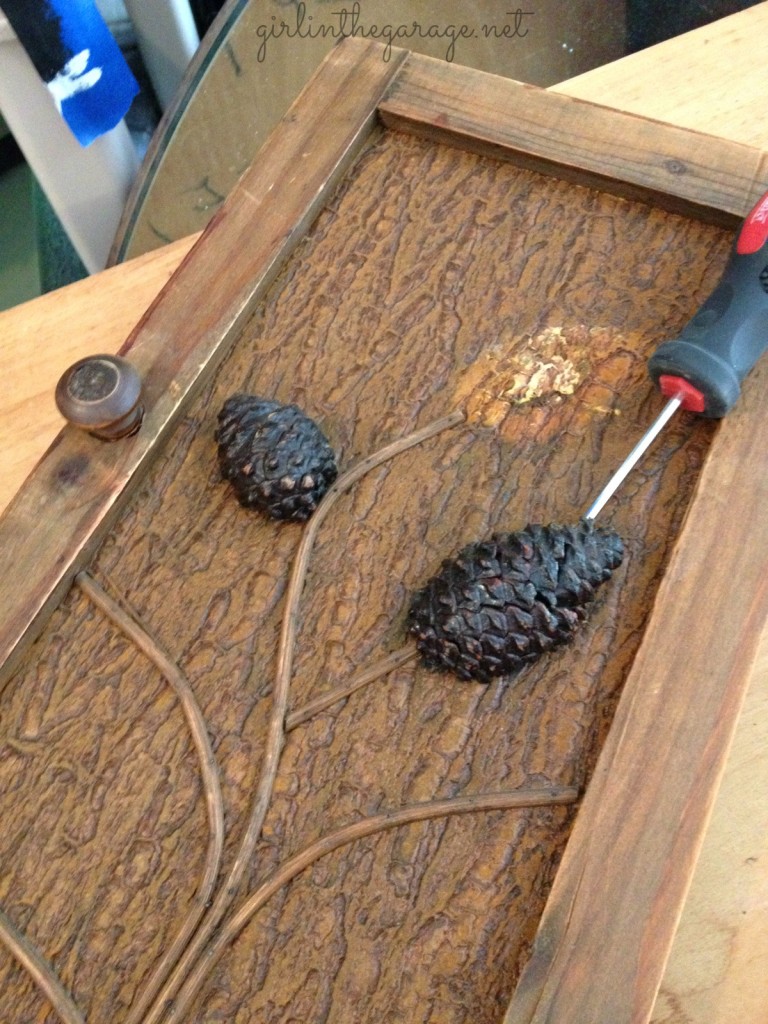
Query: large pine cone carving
x=276 y=458
x=502 y=603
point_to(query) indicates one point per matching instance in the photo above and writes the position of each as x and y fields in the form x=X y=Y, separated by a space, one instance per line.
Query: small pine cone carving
x=276 y=458
x=502 y=603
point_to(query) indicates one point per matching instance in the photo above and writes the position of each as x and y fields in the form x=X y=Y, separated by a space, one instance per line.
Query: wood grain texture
x=41 y=338
x=717 y=966
x=79 y=482
x=431 y=279
x=682 y=700
x=582 y=142
x=706 y=76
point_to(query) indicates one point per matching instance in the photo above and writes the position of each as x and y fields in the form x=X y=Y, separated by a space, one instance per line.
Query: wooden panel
x=433 y=279
x=386 y=318
x=183 y=335
x=666 y=164
x=684 y=171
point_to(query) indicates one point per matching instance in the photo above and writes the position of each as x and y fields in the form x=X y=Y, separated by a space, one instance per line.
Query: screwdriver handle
x=718 y=347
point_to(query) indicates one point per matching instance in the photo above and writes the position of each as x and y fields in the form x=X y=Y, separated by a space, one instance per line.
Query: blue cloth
x=78 y=59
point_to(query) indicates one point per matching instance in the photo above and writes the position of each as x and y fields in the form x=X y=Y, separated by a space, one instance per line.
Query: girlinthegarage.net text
x=348 y=21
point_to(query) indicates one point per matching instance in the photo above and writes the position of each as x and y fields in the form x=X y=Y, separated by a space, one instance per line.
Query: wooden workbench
x=705 y=80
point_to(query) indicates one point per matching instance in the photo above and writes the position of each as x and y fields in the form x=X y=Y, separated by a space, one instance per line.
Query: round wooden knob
x=101 y=394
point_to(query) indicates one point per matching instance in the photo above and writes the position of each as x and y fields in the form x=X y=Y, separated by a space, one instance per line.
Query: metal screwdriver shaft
x=634 y=457
x=702 y=369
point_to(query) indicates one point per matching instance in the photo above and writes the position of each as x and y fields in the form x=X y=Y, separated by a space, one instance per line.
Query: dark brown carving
x=502 y=603
x=276 y=458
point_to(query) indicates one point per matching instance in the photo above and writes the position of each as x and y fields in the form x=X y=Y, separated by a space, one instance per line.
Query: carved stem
x=276 y=731
x=128 y=624
x=41 y=971
x=348 y=834
x=368 y=675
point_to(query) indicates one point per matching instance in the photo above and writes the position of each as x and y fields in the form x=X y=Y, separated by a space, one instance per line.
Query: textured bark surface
x=435 y=279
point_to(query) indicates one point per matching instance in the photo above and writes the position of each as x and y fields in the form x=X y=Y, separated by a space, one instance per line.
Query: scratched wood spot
x=434 y=279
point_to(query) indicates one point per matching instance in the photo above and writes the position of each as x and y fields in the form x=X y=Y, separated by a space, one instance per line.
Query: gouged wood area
x=434 y=279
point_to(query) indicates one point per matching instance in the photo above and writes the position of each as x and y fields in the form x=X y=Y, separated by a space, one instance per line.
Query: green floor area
x=19 y=262
x=36 y=256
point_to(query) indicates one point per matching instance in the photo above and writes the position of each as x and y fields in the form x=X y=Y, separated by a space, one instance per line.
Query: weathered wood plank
x=680 y=170
x=72 y=497
x=605 y=935
x=95 y=314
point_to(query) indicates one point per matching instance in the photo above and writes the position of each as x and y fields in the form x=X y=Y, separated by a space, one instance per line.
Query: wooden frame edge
x=677 y=169
x=609 y=922
x=81 y=483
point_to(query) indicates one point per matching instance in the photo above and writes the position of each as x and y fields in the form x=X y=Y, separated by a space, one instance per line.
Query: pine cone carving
x=276 y=458
x=502 y=603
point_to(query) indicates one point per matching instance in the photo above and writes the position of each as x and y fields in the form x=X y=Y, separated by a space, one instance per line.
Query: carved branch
x=127 y=622
x=369 y=675
x=276 y=727
x=20 y=947
x=343 y=836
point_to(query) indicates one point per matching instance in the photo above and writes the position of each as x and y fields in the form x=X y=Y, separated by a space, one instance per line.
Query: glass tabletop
x=258 y=54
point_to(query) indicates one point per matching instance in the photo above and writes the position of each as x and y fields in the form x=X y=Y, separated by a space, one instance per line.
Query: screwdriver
x=701 y=370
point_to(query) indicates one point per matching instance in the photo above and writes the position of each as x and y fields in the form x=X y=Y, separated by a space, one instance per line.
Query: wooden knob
x=101 y=394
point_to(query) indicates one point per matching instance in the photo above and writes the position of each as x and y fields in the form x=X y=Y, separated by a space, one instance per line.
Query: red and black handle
x=718 y=347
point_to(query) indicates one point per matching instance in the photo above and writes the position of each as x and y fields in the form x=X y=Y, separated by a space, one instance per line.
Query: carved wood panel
x=434 y=280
